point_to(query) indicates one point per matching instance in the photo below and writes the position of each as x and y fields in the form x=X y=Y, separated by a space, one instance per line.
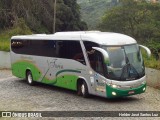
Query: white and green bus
x=92 y=62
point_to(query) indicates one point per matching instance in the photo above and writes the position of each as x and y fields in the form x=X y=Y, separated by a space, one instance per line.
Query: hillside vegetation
x=20 y=29
x=39 y=14
x=93 y=10
x=140 y=20
x=19 y=17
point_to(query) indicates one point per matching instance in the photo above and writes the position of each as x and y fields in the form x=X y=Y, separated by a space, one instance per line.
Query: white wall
x=5 y=60
x=153 y=77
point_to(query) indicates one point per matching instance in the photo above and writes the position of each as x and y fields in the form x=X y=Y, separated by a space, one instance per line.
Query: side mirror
x=146 y=49
x=104 y=53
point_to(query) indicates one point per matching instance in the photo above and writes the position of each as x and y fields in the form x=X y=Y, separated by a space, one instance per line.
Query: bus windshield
x=125 y=62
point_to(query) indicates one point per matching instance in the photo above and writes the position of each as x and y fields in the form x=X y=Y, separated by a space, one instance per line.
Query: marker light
x=114 y=93
x=114 y=86
x=90 y=72
x=144 y=89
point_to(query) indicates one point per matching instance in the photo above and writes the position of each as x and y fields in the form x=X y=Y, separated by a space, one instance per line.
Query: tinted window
x=34 y=47
x=70 y=50
x=49 y=48
x=95 y=57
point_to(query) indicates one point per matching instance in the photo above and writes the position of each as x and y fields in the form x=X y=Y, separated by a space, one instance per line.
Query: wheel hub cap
x=83 y=89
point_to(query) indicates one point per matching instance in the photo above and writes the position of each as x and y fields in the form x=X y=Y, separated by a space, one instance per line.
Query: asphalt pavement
x=17 y=95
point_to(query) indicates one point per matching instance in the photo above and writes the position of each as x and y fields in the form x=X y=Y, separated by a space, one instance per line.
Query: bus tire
x=29 y=78
x=83 y=89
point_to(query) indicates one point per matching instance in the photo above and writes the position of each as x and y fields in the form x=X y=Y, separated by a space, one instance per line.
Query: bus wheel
x=83 y=89
x=29 y=78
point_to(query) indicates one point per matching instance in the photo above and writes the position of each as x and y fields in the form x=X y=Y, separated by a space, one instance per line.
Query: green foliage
x=39 y=14
x=19 y=17
x=155 y=48
x=151 y=62
x=92 y=10
x=137 y=19
x=140 y=20
x=68 y=17
x=20 y=29
x=4 y=46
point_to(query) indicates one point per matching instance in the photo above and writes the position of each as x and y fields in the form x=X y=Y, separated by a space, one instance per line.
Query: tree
x=69 y=12
x=138 y=19
x=39 y=14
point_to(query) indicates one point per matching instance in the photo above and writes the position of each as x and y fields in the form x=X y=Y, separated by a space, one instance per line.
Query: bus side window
x=71 y=50
x=95 y=57
x=45 y=48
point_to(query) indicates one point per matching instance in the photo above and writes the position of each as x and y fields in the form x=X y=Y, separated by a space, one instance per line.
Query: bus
x=90 y=62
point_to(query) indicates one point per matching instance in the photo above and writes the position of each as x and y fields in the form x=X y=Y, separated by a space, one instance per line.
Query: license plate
x=131 y=92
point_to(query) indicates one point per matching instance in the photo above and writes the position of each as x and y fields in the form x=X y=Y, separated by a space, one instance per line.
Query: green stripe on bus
x=19 y=69
x=65 y=81
x=128 y=92
x=67 y=70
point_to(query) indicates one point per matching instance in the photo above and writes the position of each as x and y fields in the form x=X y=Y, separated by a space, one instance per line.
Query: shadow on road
x=74 y=93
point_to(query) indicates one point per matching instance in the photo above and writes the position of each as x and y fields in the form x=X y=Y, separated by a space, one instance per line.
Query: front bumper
x=117 y=92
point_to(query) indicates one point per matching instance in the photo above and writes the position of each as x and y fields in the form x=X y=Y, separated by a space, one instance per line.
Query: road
x=17 y=95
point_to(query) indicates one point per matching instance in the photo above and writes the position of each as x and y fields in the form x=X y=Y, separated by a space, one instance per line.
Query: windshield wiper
x=129 y=72
x=128 y=68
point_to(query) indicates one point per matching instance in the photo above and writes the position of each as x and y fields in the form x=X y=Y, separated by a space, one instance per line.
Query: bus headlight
x=90 y=72
x=144 y=89
x=115 y=86
x=114 y=93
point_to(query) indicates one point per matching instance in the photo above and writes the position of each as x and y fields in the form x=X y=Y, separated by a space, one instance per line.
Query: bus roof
x=103 y=38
